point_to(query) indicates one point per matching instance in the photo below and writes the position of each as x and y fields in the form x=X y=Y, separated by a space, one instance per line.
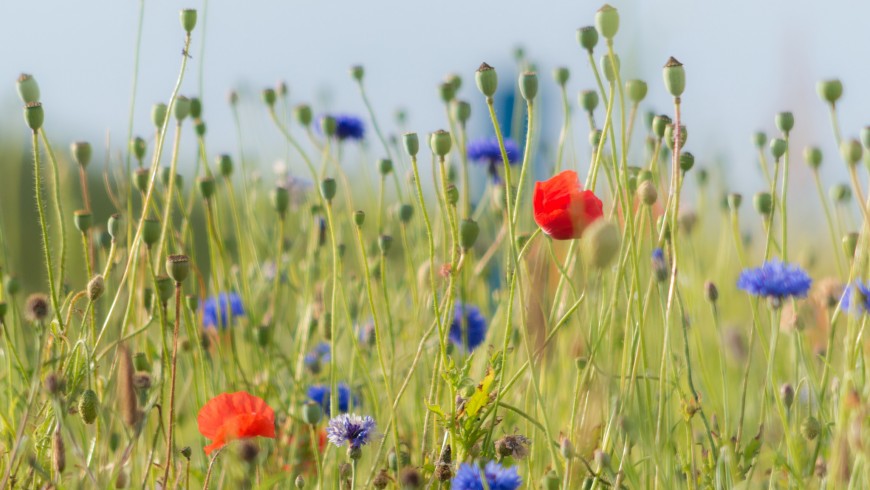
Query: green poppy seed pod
x=385 y=166
x=588 y=100
x=269 y=97
x=711 y=292
x=763 y=203
x=452 y=195
x=440 y=142
x=115 y=226
x=138 y=147
x=587 y=37
x=687 y=161
x=551 y=481
x=299 y=482
x=206 y=186
x=13 y=285
x=357 y=72
x=88 y=406
x=280 y=199
x=469 y=230
x=264 y=335
x=786 y=391
x=784 y=122
x=328 y=125
x=303 y=114
x=83 y=220
x=660 y=124
x=636 y=90
x=186 y=452
x=759 y=139
x=561 y=74
x=34 y=115
x=595 y=137
x=840 y=193
x=810 y=428
x=81 y=153
x=600 y=243
x=461 y=111
x=446 y=91
x=195 y=107
x=647 y=193
x=359 y=217
x=96 y=286
x=850 y=243
x=813 y=157
x=644 y=175
x=385 y=243
x=607 y=21
x=158 y=114
x=486 y=79
x=670 y=136
x=188 y=20
x=610 y=66
x=734 y=200
x=411 y=143
x=406 y=212
x=199 y=127
x=225 y=165
x=830 y=90
x=528 y=85
x=328 y=188
x=675 y=77
x=28 y=89
x=150 y=231
x=178 y=267
x=165 y=288
x=192 y=302
x=312 y=413
x=850 y=151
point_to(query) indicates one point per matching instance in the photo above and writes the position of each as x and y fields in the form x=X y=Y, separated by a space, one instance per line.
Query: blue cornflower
x=230 y=305
x=321 y=394
x=352 y=429
x=856 y=298
x=775 y=280
x=659 y=264
x=469 y=331
x=486 y=151
x=318 y=355
x=497 y=477
x=348 y=127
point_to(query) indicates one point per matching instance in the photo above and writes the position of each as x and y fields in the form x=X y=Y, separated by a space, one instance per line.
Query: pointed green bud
x=813 y=157
x=636 y=90
x=385 y=166
x=138 y=147
x=528 y=85
x=88 y=406
x=840 y=193
x=81 y=153
x=178 y=267
x=328 y=188
x=411 y=143
x=784 y=122
x=687 y=161
x=27 y=88
x=188 y=20
x=115 y=226
x=440 y=142
x=141 y=176
x=83 y=220
x=225 y=165
x=850 y=151
x=158 y=114
x=850 y=244
x=299 y=482
x=607 y=66
x=830 y=90
x=303 y=115
x=587 y=37
x=734 y=199
x=357 y=72
x=280 y=200
x=34 y=115
x=763 y=203
x=607 y=21
x=468 y=233
x=675 y=77
x=446 y=91
x=486 y=79
x=660 y=125
x=269 y=97
x=588 y=100
x=561 y=74
x=206 y=186
x=786 y=391
x=460 y=110
x=328 y=125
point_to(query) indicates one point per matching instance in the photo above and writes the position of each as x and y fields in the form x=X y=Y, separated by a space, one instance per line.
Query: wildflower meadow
x=408 y=307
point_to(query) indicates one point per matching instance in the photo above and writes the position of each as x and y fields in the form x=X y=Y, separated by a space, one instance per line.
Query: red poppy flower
x=562 y=209
x=231 y=416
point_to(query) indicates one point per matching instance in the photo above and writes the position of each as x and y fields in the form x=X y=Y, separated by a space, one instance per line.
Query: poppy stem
x=168 y=462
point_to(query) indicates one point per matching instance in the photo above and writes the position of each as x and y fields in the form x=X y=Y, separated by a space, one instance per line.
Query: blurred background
x=745 y=60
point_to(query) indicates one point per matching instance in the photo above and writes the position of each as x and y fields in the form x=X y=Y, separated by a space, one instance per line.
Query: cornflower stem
x=385 y=292
x=783 y=207
x=333 y=393
x=279 y=252
x=243 y=275
x=830 y=222
x=527 y=151
x=316 y=450
x=46 y=244
x=58 y=207
x=168 y=461
x=381 y=203
x=380 y=134
x=133 y=89
x=466 y=179
x=167 y=205
x=714 y=313
x=294 y=143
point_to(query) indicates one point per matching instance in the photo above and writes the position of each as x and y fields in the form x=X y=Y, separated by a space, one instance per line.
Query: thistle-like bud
x=81 y=153
x=851 y=151
x=461 y=111
x=610 y=67
x=636 y=90
x=763 y=203
x=357 y=72
x=588 y=100
x=303 y=114
x=711 y=292
x=381 y=480
x=96 y=286
x=440 y=142
x=830 y=90
x=687 y=161
x=784 y=122
x=83 y=220
x=328 y=188
x=88 y=406
x=675 y=77
x=158 y=114
x=34 y=115
x=607 y=21
x=528 y=85
x=602 y=458
x=206 y=186
x=561 y=74
x=411 y=143
x=178 y=267
x=813 y=156
x=280 y=200
x=647 y=193
x=810 y=428
x=385 y=166
x=660 y=124
x=601 y=243
x=469 y=230
x=27 y=88
x=150 y=231
x=188 y=20
x=486 y=79
x=786 y=391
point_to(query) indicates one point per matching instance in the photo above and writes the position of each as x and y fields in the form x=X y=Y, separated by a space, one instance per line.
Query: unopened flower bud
x=188 y=20
x=96 y=286
x=300 y=482
x=385 y=243
x=841 y=193
x=687 y=161
x=81 y=153
x=851 y=151
x=406 y=212
x=670 y=136
x=446 y=91
x=88 y=406
x=411 y=143
x=850 y=244
x=675 y=77
x=602 y=458
x=27 y=88
x=138 y=147
x=34 y=115
x=486 y=79
x=357 y=72
x=588 y=38
x=595 y=136
x=303 y=114
x=359 y=217
x=178 y=267
x=158 y=114
x=225 y=165
x=759 y=139
x=588 y=100
x=813 y=156
x=601 y=243
x=460 y=110
x=734 y=200
x=468 y=233
x=165 y=288
x=528 y=85
x=784 y=122
x=647 y=193
x=763 y=203
x=150 y=231
x=660 y=125
x=83 y=220
x=385 y=166
x=206 y=186
x=711 y=292
x=440 y=142
x=830 y=90
x=561 y=74
x=786 y=391
x=810 y=428
x=636 y=90
x=328 y=188
x=269 y=97
x=607 y=21
x=328 y=125
x=280 y=199
x=181 y=109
